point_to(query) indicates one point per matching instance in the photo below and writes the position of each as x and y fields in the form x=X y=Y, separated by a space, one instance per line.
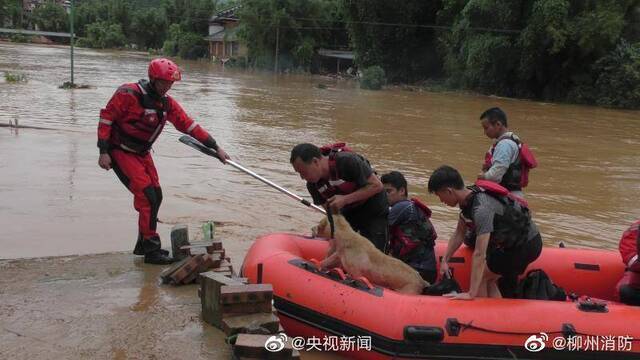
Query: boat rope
x=470 y=325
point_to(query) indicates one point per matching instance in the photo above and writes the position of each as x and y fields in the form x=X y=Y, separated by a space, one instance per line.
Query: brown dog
x=359 y=257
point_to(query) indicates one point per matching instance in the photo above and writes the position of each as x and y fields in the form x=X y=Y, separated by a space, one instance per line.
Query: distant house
x=224 y=43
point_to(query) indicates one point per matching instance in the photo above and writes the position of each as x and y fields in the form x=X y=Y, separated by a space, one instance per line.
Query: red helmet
x=164 y=69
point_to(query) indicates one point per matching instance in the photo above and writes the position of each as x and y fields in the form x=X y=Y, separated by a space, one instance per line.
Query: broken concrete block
x=253 y=293
x=184 y=273
x=246 y=308
x=179 y=238
x=210 y=284
x=261 y=323
x=165 y=275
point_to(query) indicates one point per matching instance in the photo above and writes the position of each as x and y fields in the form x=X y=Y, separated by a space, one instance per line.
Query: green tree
x=89 y=12
x=618 y=77
x=407 y=52
x=51 y=17
x=192 y=15
x=299 y=26
x=148 y=28
x=187 y=45
x=104 y=35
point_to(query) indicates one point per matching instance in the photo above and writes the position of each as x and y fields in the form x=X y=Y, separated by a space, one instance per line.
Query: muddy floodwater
x=55 y=200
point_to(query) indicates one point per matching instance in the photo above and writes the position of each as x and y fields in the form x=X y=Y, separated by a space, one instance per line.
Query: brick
x=210 y=261
x=165 y=275
x=210 y=284
x=211 y=245
x=184 y=273
x=179 y=238
x=261 y=323
x=253 y=346
x=252 y=293
x=221 y=252
x=246 y=308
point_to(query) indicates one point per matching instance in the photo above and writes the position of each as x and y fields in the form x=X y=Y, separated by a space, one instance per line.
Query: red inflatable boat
x=314 y=303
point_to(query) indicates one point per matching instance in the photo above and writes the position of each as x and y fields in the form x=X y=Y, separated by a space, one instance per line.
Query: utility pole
x=72 y=37
x=275 y=69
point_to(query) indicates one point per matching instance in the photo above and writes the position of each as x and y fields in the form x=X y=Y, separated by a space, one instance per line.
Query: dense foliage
x=584 y=51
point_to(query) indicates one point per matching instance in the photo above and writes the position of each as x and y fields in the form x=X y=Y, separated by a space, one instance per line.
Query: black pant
x=512 y=262
x=376 y=229
x=629 y=295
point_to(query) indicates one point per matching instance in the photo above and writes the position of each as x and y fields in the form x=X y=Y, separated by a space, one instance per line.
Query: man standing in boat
x=343 y=180
x=128 y=127
x=507 y=239
x=508 y=160
x=412 y=235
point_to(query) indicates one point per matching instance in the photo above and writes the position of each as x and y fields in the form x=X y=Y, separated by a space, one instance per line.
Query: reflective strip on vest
x=125 y=147
x=106 y=122
x=156 y=133
x=193 y=126
x=149 y=111
x=142 y=89
x=632 y=260
x=336 y=183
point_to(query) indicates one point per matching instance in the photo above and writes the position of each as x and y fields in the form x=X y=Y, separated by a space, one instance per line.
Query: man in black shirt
x=343 y=180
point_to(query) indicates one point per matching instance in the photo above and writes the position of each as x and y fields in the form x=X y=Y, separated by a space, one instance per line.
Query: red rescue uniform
x=129 y=125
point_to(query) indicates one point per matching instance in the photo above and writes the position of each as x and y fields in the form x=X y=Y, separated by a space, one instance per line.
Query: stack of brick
x=244 y=312
x=194 y=258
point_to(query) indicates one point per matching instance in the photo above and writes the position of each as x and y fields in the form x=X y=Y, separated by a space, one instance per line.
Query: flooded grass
x=14 y=77
x=69 y=85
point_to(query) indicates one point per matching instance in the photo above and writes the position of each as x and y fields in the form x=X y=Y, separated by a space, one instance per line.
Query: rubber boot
x=153 y=253
x=138 y=250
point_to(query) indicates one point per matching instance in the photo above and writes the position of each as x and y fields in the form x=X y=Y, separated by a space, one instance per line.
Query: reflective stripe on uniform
x=106 y=122
x=193 y=126
x=125 y=147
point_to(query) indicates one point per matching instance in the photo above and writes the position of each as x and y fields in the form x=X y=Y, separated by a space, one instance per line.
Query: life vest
x=510 y=229
x=140 y=128
x=410 y=240
x=517 y=175
x=335 y=185
x=629 y=251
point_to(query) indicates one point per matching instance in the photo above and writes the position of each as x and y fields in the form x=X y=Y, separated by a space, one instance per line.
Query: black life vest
x=138 y=131
x=336 y=185
x=517 y=175
x=511 y=229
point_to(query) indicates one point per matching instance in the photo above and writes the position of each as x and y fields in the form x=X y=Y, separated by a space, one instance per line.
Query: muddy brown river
x=55 y=200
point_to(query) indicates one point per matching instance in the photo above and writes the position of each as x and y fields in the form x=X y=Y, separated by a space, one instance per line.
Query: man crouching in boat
x=344 y=180
x=629 y=286
x=412 y=235
x=507 y=239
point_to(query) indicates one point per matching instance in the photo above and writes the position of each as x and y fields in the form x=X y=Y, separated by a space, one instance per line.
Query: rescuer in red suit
x=129 y=124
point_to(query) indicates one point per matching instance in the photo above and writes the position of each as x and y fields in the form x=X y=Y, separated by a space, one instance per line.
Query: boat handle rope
x=360 y=282
x=464 y=326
